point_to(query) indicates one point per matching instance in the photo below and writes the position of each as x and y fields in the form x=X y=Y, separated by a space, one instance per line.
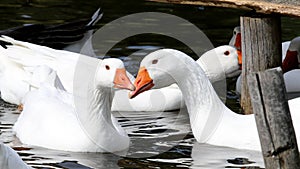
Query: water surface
x=159 y=139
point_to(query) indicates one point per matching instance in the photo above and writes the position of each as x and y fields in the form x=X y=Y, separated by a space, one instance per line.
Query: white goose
x=53 y=119
x=211 y=121
x=290 y=50
x=17 y=56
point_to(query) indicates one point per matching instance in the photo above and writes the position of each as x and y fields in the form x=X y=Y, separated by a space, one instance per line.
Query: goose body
x=24 y=55
x=211 y=121
x=51 y=118
x=19 y=57
x=164 y=99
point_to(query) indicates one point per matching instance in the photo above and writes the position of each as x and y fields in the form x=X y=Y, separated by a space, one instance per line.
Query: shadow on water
x=159 y=140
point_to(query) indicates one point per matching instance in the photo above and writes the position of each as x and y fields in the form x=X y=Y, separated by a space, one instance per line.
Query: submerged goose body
x=26 y=55
x=52 y=119
x=211 y=121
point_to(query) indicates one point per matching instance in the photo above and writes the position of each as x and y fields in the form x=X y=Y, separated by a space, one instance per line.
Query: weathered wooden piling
x=261 y=49
x=273 y=120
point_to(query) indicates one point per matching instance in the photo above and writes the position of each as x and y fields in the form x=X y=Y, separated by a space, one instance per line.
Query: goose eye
x=226 y=53
x=154 y=61
x=107 y=67
x=234 y=32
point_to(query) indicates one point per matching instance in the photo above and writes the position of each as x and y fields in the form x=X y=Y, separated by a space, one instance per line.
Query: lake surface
x=159 y=139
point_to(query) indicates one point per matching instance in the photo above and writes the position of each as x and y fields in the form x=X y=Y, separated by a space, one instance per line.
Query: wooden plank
x=273 y=119
x=283 y=7
x=261 y=49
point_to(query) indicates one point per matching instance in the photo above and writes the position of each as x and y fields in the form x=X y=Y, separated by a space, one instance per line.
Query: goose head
x=236 y=38
x=291 y=60
x=157 y=71
x=229 y=59
x=111 y=73
x=236 y=41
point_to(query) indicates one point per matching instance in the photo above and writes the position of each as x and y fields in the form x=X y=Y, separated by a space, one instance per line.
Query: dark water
x=155 y=139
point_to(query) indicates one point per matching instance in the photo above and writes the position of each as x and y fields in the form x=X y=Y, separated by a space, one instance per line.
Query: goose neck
x=203 y=104
x=96 y=119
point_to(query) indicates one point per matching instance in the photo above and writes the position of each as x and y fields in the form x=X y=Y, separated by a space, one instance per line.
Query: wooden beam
x=261 y=49
x=273 y=119
x=284 y=7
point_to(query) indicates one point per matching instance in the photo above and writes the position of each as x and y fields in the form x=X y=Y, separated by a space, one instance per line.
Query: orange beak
x=238 y=46
x=143 y=82
x=238 y=41
x=121 y=80
x=290 y=61
x=240 y=59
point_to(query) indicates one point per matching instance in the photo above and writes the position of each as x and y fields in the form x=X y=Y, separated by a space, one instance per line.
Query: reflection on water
x=158 y=140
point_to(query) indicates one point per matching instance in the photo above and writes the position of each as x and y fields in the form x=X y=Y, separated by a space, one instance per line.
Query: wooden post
x=273 y=120
x=261 y=49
